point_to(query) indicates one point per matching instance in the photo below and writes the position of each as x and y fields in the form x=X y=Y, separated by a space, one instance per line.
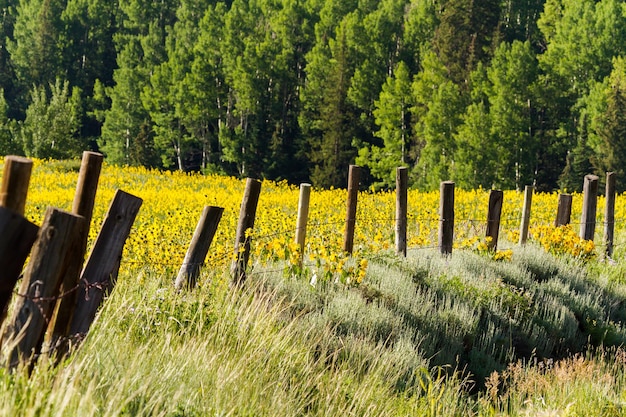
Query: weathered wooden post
x=247 y=215
x=15 y=180
x=402 y=182
x=446 y=217
x=17 y=236
x=84 y=201
x=564 y=210
x=528 y=201
x=493 y=218
x=303 y=216
x=100 y=273
x=609 y=214
x=354 y=178
x=590 y=202
x=23 y=335
x=199 y=247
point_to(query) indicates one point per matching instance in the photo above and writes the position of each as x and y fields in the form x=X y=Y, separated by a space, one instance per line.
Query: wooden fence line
x=354 y=178
x=17 y=235
x=23 y=335
x=303 y=217
x=402 y=186
x=590 y=199
x=564 y=210
x=609 y=214
x=199 y=247
x=247 y=215
x=446 y=217
x=525 y=223
x=83 y=204
x=100 y=273
x=15 y=181
x=496 y=198
x=61 y=243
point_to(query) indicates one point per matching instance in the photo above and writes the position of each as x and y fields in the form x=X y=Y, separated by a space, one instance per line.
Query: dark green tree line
x=498 y=93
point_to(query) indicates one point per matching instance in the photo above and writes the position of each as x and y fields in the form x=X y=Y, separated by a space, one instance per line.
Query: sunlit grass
x=525 y=331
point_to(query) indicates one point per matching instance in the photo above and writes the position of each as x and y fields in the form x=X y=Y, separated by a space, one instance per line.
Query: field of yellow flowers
x=173 y=202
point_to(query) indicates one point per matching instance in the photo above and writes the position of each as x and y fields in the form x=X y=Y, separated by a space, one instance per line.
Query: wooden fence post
x=303 y=216
x=590 y=202
x=446 y=217
x=100 y=273
x=609 y=214
x=84 y=201
x=23 y=335
x=247 y=215
x=15 y=180
x=354 y=178
x=17 y=236
x=564 y=210
x=528 y=201
x=402 y=182
x=199 y=247
x=493 y=218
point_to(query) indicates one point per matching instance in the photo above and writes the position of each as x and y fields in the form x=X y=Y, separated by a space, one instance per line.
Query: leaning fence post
x=446 y=217
x=402 y=181
x=247 y=215
x=100 y=273
x=23 y=335
x=590 y=201
x=564 y=210
x=609 y=214
x=528 y=201
x=15 y=180
x=354 y=177
x=303 y=216
x=84 y=201
x=199 y=247
x=493 y=218
x=17 y=236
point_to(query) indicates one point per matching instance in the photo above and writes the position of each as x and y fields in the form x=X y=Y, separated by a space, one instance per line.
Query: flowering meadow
x=173 y=202
x=481 y=333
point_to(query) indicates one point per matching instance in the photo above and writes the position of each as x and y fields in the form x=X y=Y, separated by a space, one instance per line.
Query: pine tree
x=392 y=115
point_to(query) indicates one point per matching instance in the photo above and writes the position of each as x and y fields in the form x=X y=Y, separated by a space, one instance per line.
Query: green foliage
x=437 y=112
x=501 y=94
x=52 y=122
x=392 y=114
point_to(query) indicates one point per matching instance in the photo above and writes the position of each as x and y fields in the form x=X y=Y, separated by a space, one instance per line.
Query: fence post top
x=18 y=158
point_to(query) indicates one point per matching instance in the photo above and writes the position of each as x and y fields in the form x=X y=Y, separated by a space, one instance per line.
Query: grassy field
x=533 y=333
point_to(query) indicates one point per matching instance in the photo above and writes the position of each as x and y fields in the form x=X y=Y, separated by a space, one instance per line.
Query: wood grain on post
x=247 y=215
x=590 y=202
x=493 y=218
x=99 y=275
x=528 y=202
x=15 y=180
x=563 y=210
x=446 y=217
x=402 y=182
x=303 y=216
x=354 y=178
x=199 y=247
x=84 y=201
x=17 y=236
x=609 y=214
x=23 y=335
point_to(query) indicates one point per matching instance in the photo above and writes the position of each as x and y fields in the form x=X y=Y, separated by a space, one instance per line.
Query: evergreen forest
x=488 y=93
